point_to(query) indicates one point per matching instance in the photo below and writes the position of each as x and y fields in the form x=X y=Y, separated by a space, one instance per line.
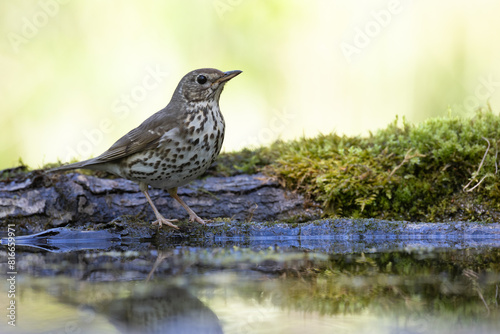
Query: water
x=257 y=285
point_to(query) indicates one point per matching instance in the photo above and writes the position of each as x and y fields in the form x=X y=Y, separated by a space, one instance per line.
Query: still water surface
x=272 y=287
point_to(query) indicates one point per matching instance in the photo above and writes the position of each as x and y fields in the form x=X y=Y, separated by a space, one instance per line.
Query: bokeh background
x=77 y=75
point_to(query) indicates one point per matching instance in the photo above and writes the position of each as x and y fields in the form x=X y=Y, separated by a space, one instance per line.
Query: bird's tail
x=86 y=164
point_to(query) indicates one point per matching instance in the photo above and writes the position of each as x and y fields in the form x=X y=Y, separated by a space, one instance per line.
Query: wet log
x=38 y=201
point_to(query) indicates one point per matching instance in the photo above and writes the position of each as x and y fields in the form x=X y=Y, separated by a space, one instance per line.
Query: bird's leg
x=159 y=218
x=192 y=216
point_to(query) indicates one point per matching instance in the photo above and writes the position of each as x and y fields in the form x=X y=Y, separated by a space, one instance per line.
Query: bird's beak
x=227 y=76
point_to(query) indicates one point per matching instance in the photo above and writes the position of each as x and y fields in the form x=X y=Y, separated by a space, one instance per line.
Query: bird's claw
x=161 y=221
x=195 y=218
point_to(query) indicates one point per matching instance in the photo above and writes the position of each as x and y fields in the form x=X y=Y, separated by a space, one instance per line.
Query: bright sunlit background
x=77 y=75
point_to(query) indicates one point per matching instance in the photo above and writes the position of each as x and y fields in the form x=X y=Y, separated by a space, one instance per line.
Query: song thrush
x=175 y=145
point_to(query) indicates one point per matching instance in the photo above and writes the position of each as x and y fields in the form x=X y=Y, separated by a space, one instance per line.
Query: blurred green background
x=77 y=75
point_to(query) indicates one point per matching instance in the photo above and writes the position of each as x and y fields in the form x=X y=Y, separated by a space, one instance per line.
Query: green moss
x=245 y=161
x=411 y=172
x=11 y=173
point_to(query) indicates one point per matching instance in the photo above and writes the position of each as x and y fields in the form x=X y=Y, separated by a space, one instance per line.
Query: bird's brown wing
x=145 y=136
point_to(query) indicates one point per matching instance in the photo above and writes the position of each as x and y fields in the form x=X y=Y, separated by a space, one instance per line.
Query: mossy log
x=37 y=201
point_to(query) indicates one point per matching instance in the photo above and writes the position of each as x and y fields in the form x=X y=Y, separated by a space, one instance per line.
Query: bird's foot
x=162 y=220
x=194 y=217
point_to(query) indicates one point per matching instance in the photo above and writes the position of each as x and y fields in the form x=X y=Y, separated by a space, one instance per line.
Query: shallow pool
x=260 y=285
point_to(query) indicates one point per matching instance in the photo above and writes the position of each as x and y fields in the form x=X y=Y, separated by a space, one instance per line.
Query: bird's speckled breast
x=184 y=152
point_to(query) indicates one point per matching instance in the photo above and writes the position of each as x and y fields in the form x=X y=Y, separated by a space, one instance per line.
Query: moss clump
x=442 y=168
x=15 y=172
x=245 y=161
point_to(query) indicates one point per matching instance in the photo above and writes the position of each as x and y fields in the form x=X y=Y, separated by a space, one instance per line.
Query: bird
x=173 y=146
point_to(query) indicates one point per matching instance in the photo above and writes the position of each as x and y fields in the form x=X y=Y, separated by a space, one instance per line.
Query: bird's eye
x=201 y=79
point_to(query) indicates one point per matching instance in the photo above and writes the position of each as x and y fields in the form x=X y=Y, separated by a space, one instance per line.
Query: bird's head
x=203 y=84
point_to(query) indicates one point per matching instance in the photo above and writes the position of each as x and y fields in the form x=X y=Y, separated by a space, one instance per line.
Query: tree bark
x=39 y=201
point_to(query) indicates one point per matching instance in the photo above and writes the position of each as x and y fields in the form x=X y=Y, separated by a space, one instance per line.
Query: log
x=37 y=201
